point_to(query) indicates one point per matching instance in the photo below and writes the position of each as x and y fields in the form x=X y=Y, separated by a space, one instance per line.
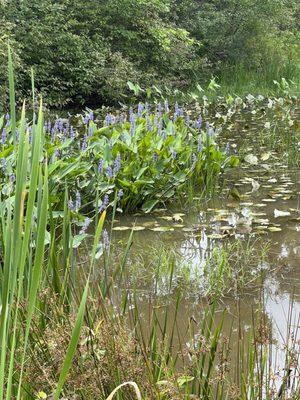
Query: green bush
x=85 y=51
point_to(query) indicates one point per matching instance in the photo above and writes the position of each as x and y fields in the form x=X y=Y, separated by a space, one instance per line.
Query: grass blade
x=72 y=345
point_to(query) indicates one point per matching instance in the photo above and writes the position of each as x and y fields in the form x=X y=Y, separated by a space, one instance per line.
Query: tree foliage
x=87 y=50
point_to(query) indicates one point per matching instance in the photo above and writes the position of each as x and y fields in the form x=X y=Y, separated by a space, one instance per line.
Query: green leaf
x=72 y=345
x=182 y=380
x=149 y=205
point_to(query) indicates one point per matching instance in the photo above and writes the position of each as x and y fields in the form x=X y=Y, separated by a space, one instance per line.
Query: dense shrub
x=85 y=51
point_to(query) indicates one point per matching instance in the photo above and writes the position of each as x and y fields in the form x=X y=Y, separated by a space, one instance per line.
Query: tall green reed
x=23 y=224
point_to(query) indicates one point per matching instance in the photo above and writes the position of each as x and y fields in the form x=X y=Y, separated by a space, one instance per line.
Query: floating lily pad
x=216 y=236
x=122 y=228
x=188 y=230
x=279 y=213
x=265 y=156
x=274 y=229
x=138 y=228
x=162 y=229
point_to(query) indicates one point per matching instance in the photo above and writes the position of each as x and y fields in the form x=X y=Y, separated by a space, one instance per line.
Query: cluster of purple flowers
x=108 y=120
x=117 y=164
x=109 y=172
x=114 y=119
x=210 y=131
x=3 y=163
x=140 y=109
x=200 y=145
x=100 y=166
x=84 y=143
x=88 y=117
x=105 y=203
x=120 y=194
x=85 y=225
x=105 y=239
x=60 y=128
x=158 y=123
x=148 y=124
x=3 y=136
x=132 y=121
x=75 y=205
x=12 y=177
x=198 y=123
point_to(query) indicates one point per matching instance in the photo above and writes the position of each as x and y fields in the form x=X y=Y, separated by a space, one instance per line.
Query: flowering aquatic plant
x=147 y=156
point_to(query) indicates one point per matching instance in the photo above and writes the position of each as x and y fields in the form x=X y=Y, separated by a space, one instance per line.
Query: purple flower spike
x=198 y=123
x=3 y=136
x=53 y=133
x=104 y=203
x=72 y=132
x=210 y=131
x=132 y=125
x=148 y=124
x=12 y=177
x=71 y=205
x=159 y=109
x=105 y=239
x=117 y=164
x=3 y=164
x=100 y=166
x=78 y=200
x=200 y=146
x=84 y=143
x=85 y=225
x=108 y=120
x=120 y=194
x=140 y=109
x=109 y=172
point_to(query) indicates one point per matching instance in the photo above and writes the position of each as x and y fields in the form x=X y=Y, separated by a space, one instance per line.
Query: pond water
x=259 y=206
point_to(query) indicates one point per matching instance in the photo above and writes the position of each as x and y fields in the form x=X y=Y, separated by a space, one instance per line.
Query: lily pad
x=122 y=228
x=251 y=159
x=274 y=229
x=279 y=213
x=162 y=229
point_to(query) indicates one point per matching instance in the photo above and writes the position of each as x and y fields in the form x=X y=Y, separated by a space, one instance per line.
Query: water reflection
x=265 y=212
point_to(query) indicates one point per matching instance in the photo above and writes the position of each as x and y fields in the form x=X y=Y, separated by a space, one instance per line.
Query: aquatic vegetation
x=146 y=157
x=231 y=268
x=79 y=318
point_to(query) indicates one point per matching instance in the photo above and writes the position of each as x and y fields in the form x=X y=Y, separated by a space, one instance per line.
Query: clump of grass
x=235 y=267
x=106 y=356
x=229 y=269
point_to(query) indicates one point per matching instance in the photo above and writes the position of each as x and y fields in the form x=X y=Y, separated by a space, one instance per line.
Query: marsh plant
x=62 y=332
x=146 y=156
